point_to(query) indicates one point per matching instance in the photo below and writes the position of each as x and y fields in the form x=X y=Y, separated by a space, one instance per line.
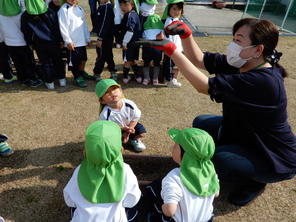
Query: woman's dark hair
x=180 y=5
x=266 y=33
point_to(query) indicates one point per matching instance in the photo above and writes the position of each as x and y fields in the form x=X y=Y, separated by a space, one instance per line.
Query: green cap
x=9 y=7
x=153 y=22
x=165 y=12
x=104 y=85
x=36 y=7
x=101 y=174
x=197 y=171
x=151 y=2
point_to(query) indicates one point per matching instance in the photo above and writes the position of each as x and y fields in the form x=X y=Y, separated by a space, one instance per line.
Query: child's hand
x=99 y=44
x=125 y=137
x=178 y=28
x=71 y=46
x=89 y=44
x=124 y=47
x=163 y=45
x=160 y=36
x=128 y=129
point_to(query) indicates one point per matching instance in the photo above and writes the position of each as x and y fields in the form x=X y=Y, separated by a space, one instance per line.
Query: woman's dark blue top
x=254 y=111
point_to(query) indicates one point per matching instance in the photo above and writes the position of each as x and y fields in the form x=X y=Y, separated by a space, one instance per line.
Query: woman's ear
x=259 y=50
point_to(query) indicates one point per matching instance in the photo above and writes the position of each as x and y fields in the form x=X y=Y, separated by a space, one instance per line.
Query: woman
x=254 y=142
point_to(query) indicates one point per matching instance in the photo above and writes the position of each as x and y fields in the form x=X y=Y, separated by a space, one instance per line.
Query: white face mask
x=233 y=58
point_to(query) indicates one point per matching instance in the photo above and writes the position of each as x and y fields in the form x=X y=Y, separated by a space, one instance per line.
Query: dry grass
x=46 y=129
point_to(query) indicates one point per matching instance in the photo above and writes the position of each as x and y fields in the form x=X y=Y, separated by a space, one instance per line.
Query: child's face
x=112 y=96
x=72 y=2
x=57 y=2
x=176 y=153
x=175 y=12
x=126 y=7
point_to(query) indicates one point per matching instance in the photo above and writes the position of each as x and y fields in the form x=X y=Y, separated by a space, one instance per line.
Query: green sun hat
x=165 y=12
x=101 y=174
x=104 y=85
x=197 y=170
x=153 y=22
x=35 y=7
x=9 y=7
x=151 y=2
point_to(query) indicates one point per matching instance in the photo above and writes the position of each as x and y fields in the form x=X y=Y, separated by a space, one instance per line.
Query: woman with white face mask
x=254 y=141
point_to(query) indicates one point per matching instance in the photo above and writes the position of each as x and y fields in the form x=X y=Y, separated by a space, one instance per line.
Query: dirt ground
x=46 y=130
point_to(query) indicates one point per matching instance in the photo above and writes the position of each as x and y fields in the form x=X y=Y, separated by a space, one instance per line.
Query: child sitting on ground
x=187 y=192
x=131 y=32
x=102 y=186
x=124 y=112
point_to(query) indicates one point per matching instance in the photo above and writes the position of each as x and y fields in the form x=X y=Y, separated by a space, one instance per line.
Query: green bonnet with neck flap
x=36 y=7
x=9 y=7
x=197 y=171
x=101 y=174
x=166 y=12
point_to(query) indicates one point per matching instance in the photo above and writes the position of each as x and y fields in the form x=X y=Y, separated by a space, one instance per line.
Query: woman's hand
x=163 y=45
x=178 y=28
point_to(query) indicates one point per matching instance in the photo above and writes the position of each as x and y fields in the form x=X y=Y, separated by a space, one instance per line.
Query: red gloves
x=178 y=28
x=163 y=45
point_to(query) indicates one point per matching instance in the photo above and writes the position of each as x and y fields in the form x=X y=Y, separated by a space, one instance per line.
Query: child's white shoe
x=126 y=80
x=49 y=86
x=174 y=84
x=62 y=82
x=138 y=145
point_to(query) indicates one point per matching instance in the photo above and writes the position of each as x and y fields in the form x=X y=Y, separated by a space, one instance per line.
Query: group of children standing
x=58 y=29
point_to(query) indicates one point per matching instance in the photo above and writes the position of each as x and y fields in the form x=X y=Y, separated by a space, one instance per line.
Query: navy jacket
x=131 y=22
x=254 y=111
x=104 y=25
x=41 y=29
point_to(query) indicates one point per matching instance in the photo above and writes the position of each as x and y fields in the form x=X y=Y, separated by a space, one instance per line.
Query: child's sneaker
x=114 y=76
x=126 y=80
x=139 y=79
x=98 y=77
x=6 y=150
x=63 y=82
x=8 y=81
x=137 y=145
x=80 y=82
x=50 y=85
x=35 y=83
x=146 y=82
x=155 y=82
x=87 y=76
x=174 y=84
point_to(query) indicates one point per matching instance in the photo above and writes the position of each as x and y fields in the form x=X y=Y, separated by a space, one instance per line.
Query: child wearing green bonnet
x=102 y=186
x=188 y=191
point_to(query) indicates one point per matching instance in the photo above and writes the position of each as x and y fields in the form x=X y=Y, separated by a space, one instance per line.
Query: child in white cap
x=187 y=191
x=102 y=186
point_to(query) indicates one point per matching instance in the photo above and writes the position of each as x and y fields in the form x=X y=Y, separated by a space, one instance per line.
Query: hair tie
x=274 y=58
